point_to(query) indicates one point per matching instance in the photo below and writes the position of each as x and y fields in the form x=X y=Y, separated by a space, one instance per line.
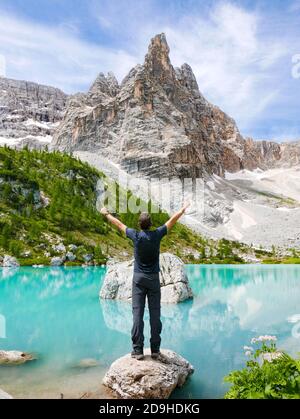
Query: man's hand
x=172 y=221
x=185 y=206
x=104 y=211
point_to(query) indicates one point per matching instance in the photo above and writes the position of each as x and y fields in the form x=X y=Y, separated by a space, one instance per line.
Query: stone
x=4 y=395
x=15 y=357
x=173 y=280
x=10 y=262
x=88 y=257
x=59 y=248
x=70 y=256
x=57 y=261
x=72 y=247
x=87 y=363
x=129 y=378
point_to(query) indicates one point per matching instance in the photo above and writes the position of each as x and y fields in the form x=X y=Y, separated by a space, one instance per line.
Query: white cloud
x=236 y=67
x=241 y=57
x=56 y=55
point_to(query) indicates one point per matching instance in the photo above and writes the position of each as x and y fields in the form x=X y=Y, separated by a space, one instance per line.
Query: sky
x=245 y=53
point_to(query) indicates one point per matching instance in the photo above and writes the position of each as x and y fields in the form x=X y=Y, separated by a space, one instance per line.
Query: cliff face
x=29 y=112
x=157 y=123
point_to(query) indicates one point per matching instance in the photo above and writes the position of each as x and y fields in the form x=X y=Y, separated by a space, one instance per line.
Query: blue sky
x=241 y=51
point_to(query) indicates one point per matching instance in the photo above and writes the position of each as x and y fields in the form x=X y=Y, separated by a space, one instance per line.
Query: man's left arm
x=113 y=220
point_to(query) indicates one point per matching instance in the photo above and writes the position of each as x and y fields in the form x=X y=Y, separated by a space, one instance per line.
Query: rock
x=72 y=247
x=10 y=262
x=70 y=256
x=15 y=357
x=4 y=395
x=88 y=257
x=57 y=261
x=26 y=254
x=87 y=363
x=173 y=280
x=59 y=248
x=147 y=379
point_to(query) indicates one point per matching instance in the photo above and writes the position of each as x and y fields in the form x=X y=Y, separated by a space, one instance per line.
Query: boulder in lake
x=10 y=262
x=4 y=395
x=129 y=378
x=15 y=357
x=173 y=280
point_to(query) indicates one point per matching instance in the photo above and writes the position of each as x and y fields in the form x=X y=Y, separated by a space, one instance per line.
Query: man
x=145 y=277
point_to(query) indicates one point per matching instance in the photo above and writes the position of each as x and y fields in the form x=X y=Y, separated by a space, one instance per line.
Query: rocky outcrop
x=157 y=123
x=15 y=357
x=57 y=261
x=4 y=395
x=173 y=280
x=147 y=379
x=10 y=262
x=29 y=113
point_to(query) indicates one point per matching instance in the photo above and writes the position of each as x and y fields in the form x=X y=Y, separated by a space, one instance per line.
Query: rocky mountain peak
x=157 y=61
x=107 y=85
x=157 y=123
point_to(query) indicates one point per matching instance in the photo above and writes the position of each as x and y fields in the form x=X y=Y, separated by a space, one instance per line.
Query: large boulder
x=4 y=395
x=57 y=261
x=10 y=262
x=15 y=357
x=173 y=280
x=129 y=378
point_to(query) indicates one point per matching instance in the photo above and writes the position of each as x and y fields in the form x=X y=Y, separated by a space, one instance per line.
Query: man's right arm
x=175 y=217
x=113 y=220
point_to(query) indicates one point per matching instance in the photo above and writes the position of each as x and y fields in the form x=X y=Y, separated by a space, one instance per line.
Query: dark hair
x=145 y=221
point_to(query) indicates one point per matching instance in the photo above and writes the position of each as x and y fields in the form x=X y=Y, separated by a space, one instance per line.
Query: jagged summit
x=157 y=123
x=106 y=84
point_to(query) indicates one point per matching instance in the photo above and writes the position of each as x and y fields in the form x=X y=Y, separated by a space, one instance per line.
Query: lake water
x=56 y=313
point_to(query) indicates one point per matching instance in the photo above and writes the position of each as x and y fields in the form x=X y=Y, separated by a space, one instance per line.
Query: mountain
x=29 y=113
x=157 y=123
x=48 y=209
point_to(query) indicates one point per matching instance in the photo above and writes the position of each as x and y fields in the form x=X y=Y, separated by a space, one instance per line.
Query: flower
x=266 y=338
x=248 y=348
x=248 y=353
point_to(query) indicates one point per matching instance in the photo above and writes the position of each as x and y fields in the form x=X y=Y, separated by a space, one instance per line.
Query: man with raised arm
x=145 y=277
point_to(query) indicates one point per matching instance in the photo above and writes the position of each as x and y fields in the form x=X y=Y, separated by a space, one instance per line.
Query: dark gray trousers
x=142 y=286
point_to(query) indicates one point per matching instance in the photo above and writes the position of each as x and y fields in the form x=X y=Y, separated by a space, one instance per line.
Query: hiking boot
x=139 y=355
x=155 y=355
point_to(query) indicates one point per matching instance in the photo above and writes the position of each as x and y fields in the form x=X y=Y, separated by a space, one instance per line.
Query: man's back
x=146 y=248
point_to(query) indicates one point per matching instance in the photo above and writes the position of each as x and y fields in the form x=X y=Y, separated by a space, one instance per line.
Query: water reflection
x=56 y=312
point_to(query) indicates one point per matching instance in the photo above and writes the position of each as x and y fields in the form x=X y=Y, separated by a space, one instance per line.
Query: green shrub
x=269 y=374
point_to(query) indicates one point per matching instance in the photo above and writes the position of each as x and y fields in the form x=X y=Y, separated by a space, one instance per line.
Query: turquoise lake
x=56 y=313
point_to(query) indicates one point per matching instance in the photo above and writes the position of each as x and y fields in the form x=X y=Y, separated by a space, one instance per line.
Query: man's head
x=145 y=221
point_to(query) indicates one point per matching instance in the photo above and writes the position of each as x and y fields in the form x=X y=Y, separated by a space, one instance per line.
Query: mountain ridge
x=157 y=122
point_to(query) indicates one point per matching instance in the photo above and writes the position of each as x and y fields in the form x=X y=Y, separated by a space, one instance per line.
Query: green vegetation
x=50 y=198
x=269 y=374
